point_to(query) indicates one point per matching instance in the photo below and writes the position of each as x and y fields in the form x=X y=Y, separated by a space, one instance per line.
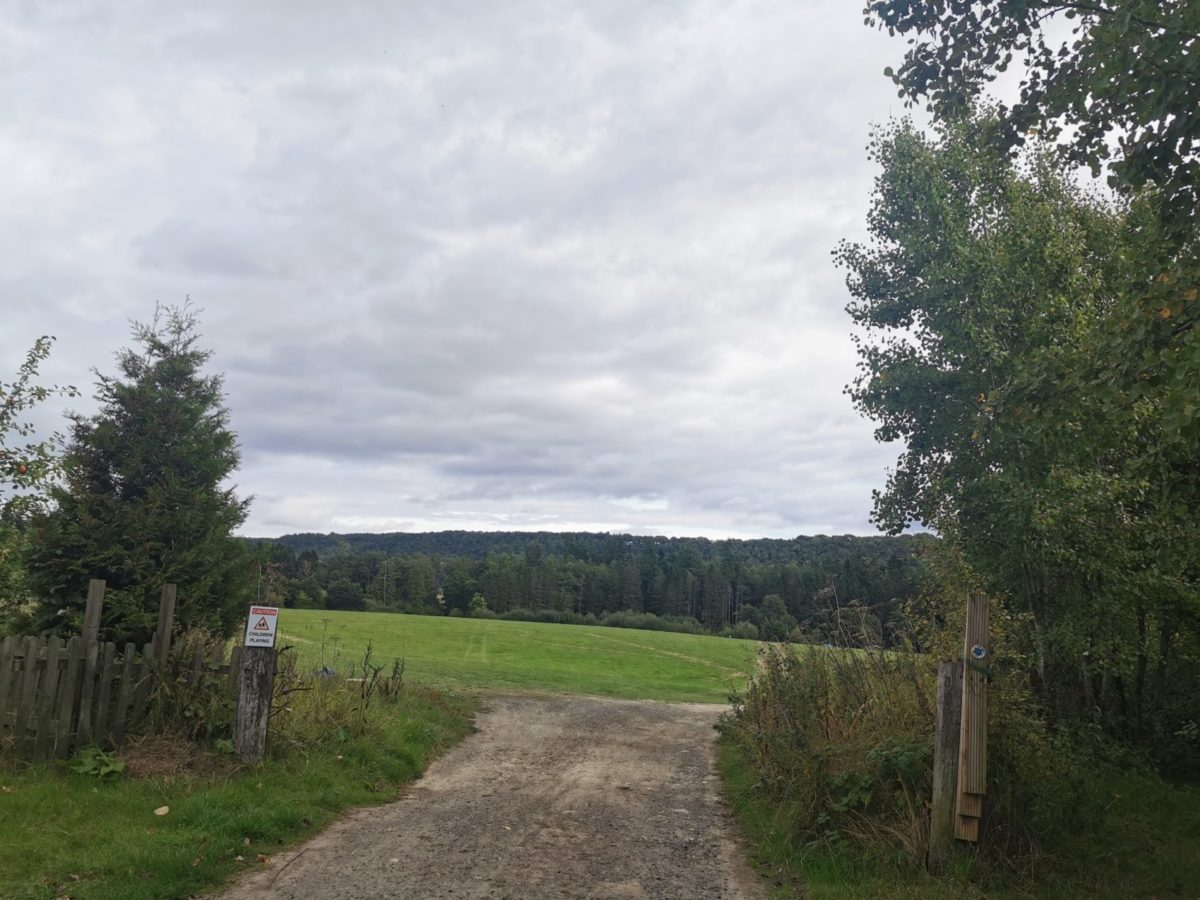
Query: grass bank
x=1146 y=849
x=827 y=761
x=67 y=834
x=497 y=655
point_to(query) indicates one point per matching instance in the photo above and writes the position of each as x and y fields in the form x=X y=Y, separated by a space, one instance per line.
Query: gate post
x=255 y=684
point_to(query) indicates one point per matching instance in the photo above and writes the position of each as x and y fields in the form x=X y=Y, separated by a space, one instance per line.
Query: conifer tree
x=145 y=498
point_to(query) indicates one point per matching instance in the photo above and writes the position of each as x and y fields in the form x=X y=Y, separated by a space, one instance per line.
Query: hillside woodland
x=777 y=589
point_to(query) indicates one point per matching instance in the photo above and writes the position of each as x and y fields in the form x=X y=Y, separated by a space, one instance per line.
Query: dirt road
x=567 y=797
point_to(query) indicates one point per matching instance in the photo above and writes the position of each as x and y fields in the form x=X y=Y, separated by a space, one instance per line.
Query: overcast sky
x=532 y=265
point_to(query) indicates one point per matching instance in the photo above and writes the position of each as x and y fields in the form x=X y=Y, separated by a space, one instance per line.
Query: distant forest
x=806 y=588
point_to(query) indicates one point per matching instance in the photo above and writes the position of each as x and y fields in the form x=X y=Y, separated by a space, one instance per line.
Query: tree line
x=804 y=587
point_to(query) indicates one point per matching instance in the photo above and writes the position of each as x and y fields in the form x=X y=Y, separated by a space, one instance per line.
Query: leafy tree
x=1131 y=68
x=145 y=499
x=776 y=623
x=344 y=594
x=28 y=465
x=987 y=299
x=459 y=585
x=1128 y=79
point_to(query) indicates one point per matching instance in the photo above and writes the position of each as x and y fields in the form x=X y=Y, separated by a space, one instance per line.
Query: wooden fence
x=57 y=696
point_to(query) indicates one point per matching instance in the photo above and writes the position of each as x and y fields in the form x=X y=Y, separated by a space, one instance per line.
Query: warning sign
x=261 y=625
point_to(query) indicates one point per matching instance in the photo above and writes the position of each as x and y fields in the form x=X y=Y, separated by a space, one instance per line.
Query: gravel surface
x=569 y=797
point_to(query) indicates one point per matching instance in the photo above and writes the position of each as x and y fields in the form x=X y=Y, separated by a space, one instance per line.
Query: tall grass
x=841 y=740
x=828 y=758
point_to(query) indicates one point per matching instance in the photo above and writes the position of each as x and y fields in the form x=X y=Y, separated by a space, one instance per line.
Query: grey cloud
x=469 y=266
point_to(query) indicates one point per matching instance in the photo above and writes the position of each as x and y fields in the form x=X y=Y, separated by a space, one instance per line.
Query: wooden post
x=91 y=648
x=945 y=763
x=91 y=619
x=255 y=684
x=254 y=702
x=166 y=620
x=972 y=753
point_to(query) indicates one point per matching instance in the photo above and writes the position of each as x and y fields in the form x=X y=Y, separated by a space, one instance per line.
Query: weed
x=102 y=764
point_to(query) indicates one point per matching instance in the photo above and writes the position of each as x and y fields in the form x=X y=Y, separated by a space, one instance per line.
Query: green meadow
x=493 y=655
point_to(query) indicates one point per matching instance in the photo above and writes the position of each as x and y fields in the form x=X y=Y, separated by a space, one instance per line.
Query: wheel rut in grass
x=568 y=797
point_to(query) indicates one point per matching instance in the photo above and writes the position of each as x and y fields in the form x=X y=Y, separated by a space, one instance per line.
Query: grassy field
x=494 y=655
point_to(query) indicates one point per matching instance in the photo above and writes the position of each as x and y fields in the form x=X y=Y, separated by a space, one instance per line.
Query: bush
x=842 y=740
x=650 y=622
x=557 y=616
x=746 y=631
x=623 y=619
x=840 y=744
x=190 y=704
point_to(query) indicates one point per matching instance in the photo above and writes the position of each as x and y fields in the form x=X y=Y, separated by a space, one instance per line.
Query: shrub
x=191 y=703
x=650 y=622
x=746 y=631
x=842 y=740
x=557 y=616
x=840 y=743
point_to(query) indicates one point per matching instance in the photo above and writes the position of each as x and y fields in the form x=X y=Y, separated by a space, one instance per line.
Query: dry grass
x=170 y=756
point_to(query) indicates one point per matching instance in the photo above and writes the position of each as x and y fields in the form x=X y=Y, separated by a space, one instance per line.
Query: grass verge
x=1146 y=849
x=66 y=834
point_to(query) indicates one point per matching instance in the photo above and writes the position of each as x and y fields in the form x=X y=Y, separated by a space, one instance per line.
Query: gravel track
x=569 y=797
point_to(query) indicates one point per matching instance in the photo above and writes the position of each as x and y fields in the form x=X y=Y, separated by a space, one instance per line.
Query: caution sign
x=261 y=625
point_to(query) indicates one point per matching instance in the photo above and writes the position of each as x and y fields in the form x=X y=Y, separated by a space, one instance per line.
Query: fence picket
x=235 y=667
x=8 y=650
x=124 y=694
x=105 y=691
x=87 y=696
x=142 y=693
x=197 y=672
x=25 y=701
x=68 y=697
x=46 y=698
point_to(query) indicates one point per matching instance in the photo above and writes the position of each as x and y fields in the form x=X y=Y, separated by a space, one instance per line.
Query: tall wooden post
x=972 y=753
x=166 y=621
x=255 y=684
x=91 y=649
x=945 y=763
x=91 y=619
